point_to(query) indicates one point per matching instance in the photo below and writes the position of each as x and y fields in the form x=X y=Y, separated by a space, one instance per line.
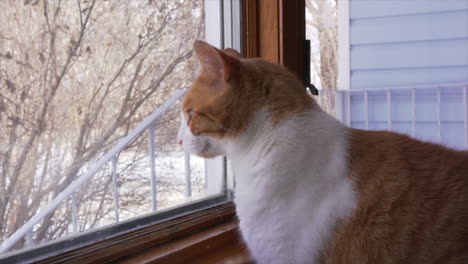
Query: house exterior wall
x=410 y=43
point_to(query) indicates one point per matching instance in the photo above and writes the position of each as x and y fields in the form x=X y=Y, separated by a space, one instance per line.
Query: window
x=89 y=115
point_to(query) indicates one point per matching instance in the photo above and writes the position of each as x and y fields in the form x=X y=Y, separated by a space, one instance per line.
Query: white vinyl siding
x=409 y=43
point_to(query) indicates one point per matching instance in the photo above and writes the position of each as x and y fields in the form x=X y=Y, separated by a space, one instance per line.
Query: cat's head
x=203 y=146
x=227 y=94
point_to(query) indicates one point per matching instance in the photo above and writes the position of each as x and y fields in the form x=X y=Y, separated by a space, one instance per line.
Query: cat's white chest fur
x=291 y=186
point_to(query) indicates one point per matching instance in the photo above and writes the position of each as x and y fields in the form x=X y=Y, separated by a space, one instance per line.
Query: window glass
x=78 y=76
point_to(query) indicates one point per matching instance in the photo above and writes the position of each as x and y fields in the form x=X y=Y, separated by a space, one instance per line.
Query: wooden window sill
x=206 y=236
x=218 y=244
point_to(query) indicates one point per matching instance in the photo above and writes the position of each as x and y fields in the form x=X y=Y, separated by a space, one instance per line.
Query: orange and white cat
x=311 y=190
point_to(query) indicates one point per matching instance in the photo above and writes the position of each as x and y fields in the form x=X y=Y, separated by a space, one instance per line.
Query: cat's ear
x=213 y=60
x=232 y=52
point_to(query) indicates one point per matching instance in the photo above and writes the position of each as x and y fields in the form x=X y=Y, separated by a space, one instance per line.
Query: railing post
x=465 y=116
x=339 y=106
x=347 y=107
x=74 y=209
x=439 y=123
x=30 y=237
x=115 y=188
x=152 y=155
x=389 y=109
x=366 y=109
x=413 y=112
x=188 y=176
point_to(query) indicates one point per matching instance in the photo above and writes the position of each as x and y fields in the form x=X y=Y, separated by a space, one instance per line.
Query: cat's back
x=380 y=152
x=412 y=202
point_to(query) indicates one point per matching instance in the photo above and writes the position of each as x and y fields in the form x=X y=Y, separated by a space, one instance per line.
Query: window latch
x=313 y=90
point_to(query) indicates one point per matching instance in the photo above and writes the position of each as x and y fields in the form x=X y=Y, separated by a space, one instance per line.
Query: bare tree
x=75 y=76
x=323 y=20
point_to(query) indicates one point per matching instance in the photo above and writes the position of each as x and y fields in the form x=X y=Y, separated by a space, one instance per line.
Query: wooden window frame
x=275 y=30
x=174 y=232
x=271 y=29
x=118 y=241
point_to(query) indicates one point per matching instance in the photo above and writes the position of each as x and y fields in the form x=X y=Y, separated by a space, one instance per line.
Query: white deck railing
x=338 y=103
x=111 y=156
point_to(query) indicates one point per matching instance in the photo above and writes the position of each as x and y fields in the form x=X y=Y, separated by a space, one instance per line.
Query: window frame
x=125 y=238
x=275 y=30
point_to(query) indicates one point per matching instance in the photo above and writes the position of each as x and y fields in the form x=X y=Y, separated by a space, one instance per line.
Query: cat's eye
x=190 y=112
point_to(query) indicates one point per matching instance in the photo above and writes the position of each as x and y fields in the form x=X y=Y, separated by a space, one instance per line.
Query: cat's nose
x=180 y=142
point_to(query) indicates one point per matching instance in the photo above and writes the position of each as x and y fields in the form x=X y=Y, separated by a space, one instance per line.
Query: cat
x=311 y=190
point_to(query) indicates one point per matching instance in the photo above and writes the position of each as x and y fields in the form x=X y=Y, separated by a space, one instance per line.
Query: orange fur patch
x=413 y=202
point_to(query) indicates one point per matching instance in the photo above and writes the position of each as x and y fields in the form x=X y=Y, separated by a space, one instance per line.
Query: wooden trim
x=148 y=237
x=275 y=31
x=292 y=36
x=249 y=20
x=269 y=27
x=220 y=244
